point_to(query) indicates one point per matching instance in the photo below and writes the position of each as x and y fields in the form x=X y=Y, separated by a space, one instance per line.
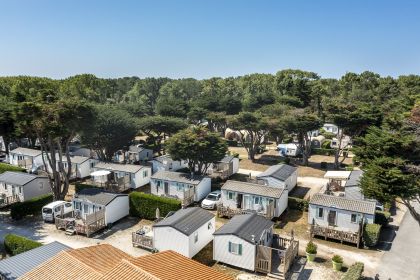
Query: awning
x=340 y=175
x=100 y=173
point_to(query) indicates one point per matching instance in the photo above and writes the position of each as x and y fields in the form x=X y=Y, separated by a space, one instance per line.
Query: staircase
x=70 y=230
x=276 y=275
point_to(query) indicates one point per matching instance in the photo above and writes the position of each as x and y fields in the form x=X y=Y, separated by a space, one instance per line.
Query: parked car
x=212 y=200
x=56 y=208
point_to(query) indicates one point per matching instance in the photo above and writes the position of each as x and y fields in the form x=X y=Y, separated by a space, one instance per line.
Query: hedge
x=382 y=218
x=354 y=272
x=324 y=152
x=30 y=207
x=326 y=144
x=8 y=167
x=79 y=186
x=371 y=234
x=144 y=205
x=296 y=203
x=16 y=244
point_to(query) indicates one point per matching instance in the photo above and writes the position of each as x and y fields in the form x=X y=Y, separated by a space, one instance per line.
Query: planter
x=310 y=257
x=337 y=266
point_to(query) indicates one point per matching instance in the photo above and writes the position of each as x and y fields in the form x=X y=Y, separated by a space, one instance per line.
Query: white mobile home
x=226 y=167
x=137 y=153
x=235 y=243
x=239 y=197
x=185 y=187
x=289 y=149
x=81 y=167
x=340 y=213
x=331 y=128
x=19 y=186
x=124 y=176
x=89 y=201
x=26 y=158
x=166 y=163
x=281 y=175
x=187 y=231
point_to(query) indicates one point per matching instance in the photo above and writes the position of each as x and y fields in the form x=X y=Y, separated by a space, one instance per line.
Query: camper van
x=56 y=208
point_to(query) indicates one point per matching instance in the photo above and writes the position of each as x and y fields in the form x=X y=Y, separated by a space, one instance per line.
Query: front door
x=239 y=201
x=166 y=184
x=332 y=215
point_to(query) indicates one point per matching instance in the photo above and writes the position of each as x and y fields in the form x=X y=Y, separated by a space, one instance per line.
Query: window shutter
x=230 y=247
x=240 y=249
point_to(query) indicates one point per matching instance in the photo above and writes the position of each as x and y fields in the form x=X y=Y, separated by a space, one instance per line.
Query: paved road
x=403 y=260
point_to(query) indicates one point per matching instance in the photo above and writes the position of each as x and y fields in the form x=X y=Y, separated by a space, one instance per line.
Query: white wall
x=282 y=203
x=169 y=166
x=117 y=209
x=202 y=189
x=37 y=187
x=205 y=236
x=167 y=238
x=343 y=218
x=221 y=252
x=235 y=165
x=139 y=180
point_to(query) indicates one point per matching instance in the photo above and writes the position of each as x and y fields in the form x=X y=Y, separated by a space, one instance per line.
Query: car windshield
x=212 y=197
x=47 y=210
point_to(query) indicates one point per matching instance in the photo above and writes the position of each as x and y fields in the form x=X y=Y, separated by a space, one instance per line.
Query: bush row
x=371 y=234
x=296 y=203
x=382 y=218
x=30 y=207
x=144 y=205
x=323 y=152
x=79 y=186
x=354 y=272
x=16 y=244
x=8 y=167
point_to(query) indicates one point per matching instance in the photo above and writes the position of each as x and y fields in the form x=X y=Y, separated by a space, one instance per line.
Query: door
x=239 y=200
x=247 y=202
x=166 y=185
x=332 y=215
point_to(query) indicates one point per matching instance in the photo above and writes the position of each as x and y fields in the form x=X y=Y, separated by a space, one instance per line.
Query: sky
x=203 y=39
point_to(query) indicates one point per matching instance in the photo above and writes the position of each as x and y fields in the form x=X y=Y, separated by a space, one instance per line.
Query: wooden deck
x=92 y=223
x=142 y=241
x=8 y=200
x=343 y=236
x=223 y=211
x=277 y=258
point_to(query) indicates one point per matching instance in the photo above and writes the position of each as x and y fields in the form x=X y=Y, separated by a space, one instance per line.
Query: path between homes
x=402 y=260
x=247 y=172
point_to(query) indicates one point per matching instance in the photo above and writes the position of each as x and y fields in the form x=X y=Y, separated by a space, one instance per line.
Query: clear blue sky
x=201 y=39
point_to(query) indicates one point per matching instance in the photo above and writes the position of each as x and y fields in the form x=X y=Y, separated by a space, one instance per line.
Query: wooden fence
x=343 y=236
x=90 y=224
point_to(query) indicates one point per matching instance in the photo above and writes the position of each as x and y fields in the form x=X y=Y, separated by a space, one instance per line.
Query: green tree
x=7 y=121
x=112 y=130
x=198 y=146
x=158 y=127
x=252 y=128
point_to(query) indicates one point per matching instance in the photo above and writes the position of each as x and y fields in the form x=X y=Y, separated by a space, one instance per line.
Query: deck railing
x=327 y=232
x=142 y=241
x=223 y=211
x=7 y=200
x=89 y=225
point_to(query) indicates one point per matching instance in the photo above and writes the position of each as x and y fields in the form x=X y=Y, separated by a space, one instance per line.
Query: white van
x=56 y=208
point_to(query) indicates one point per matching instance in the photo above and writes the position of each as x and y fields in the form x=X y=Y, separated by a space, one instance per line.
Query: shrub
x=324 y=165
x=79 y=186
x=326 y=144
x=8 y=167
x=337 y=259
x=232 y=143
x=16 y=244
x=144 y=205
x=354 y=272
x=382 y=218
x=371 y=234
x=296 y=203
x=287 y=160
x=30 y=207
x=311 y=248
x=323 y=152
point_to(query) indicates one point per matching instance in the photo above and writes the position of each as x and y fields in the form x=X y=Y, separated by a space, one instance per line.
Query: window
x=231 y=195
x=209 y=225
x=77 y=205
x=354 y=218
x=320 y=213
x=57 y=209
x=195 y=237
x=20 y=189
x=235 y=248
x=179 y=187
x=67 y=205
x=257 y=200
x=145 y=173
x=158 y=183
x=85 y=208
x=92 y=164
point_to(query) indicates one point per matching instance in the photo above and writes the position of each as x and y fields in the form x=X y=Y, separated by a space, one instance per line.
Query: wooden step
x=70 y=231
x=276 y=275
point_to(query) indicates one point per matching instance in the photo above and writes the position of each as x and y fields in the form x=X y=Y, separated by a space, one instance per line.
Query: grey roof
x=98 y=196
x=186 y=220
x=280 y=172
x=162 y=158
x=16 y=266
x=131 y=168
x=227 y=159
x=353 y=205
x=252 y=188
x=245 y=227
x=354 y=179
x=26 y=151
x=136 y=149
x=18 y=178
x=178 y=177
x=76 y=159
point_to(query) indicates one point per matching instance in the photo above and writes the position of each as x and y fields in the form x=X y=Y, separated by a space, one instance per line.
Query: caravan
x=56 y=208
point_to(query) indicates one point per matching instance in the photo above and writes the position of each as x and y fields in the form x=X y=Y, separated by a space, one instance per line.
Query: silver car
x=212 y=200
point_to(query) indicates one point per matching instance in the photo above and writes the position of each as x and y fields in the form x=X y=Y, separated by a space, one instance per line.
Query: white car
x=212 y=200
x=56 y=208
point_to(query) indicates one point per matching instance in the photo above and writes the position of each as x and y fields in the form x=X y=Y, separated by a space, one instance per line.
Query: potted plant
x=337 y=262
x=311 y=251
